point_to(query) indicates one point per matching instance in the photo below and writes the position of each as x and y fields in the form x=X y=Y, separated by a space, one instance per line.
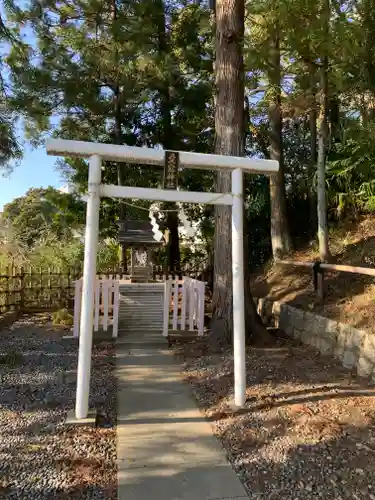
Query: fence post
x=96 y=304
x=116 y=300
x=77 y=307
x=167 y=289
x=318 y=276
x=183 y=303
x=49 y=284
x=69 y=284
x=14 y=287
x=41 y=289
x=22 y=289
x=201 y=295
x=7 y=292
x=105 y=294
x=191 y=304
x=175 y=304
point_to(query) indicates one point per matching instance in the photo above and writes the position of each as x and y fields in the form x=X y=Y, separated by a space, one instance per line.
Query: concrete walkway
x=165 y=447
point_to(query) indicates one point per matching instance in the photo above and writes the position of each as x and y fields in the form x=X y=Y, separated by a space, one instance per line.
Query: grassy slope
x=350 y=298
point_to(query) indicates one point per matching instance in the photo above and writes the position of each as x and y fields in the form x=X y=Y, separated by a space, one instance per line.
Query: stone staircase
x=141 y=308
x=141 y=274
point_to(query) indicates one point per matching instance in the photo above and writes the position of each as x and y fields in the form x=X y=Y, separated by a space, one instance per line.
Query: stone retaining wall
x=353 y=347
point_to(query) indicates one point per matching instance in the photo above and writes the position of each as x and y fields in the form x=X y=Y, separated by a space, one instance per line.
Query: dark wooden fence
x=32 y=289
x=36 y=289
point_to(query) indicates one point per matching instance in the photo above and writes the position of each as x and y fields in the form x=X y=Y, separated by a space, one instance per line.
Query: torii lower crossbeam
x=96 y=152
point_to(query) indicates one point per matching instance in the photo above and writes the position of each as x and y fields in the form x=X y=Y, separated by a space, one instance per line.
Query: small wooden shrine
x=139 y=237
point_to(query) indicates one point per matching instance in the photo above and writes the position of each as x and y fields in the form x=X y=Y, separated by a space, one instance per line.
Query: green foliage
x=351 y=172
x=53 y=253
x=10 y=149
x=141 y=73
x=44 y=214
x=137 y=74
x=108 y=255
x=62 y=317
x=194 y=258
x=370 y=205
x=44 y=254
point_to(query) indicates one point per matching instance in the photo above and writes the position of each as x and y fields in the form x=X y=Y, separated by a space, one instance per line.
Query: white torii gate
x=96 y=153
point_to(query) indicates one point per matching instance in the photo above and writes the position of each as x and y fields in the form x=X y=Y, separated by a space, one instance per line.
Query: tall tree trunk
x=280 y=237
x=313 y=116
x=334 y=118
x=120 y=174
x=229 y=140
x=168 y=141
x=118 y=134
x=322 y=143
x=173 y=246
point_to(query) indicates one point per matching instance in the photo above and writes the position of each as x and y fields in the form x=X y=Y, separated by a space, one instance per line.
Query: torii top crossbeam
x=148 y=156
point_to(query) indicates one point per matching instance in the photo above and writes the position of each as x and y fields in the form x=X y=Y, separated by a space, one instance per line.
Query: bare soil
x=307 y=430
x=350 y=298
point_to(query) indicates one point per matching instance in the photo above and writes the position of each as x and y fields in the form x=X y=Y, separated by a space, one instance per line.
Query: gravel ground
x=307 y=430
x=40 y=457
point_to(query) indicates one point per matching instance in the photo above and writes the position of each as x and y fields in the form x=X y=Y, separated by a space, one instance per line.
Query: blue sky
x=35 y=170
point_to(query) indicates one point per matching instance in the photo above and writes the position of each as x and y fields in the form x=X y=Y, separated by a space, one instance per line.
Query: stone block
x=365 y=366
x=355 y=339
x=341 y=340
x=284 y=318
x=67 y=378
x=325 y=346
x=349 y=358
x=298 y=318
x=297 y=333
x=288 y=329
x=315 y=341
x=319 y=326
x=309 y=320
x=366 y=361
x=306 y=337
x=90 y=420
x=331 y=328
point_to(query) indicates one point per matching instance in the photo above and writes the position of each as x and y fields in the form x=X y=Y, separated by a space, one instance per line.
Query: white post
x=238 y=289
x=167 y=298
x=89 y=276
x=106 y=303
x=77 y=307
x=175 y=304
x=116 y=299
x=201 y=294
x=183 y=303
x=97 y=286
x=191 y=304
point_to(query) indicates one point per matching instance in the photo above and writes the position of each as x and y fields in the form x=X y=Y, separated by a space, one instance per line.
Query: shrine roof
x=135 y=232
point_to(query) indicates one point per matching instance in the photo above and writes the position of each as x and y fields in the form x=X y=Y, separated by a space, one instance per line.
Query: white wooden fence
x=187 y=299
x=106 y=305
